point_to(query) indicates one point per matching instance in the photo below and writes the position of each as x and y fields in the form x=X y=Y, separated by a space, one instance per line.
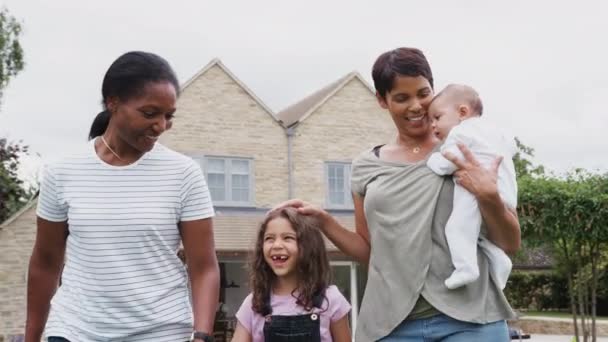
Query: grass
x=556 y=315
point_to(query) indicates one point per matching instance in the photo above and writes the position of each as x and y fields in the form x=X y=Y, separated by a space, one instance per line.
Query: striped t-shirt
x=122 y=280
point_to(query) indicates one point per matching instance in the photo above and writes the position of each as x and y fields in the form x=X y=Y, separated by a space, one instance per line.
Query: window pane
x=340 y=171
x=331 y=171
x=215 y=165
x=229 y=179
x=240 y=181
x=336 y=198
x=240 y=195
x=336 y=184
x=217 y=188
x=240 y=167
x=240 y=188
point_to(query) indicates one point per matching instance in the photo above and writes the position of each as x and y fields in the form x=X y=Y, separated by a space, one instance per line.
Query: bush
x=538 y=291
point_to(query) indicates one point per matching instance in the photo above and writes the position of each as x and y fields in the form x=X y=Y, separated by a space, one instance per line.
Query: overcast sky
x=540 y=66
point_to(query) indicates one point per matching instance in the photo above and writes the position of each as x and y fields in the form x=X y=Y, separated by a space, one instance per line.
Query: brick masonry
x=348 y=123
x=216 y=116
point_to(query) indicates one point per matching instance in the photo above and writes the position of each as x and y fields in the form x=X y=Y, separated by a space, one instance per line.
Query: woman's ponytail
x=100 y=124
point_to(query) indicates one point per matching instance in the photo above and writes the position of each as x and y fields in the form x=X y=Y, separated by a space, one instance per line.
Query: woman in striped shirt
x=115 y=215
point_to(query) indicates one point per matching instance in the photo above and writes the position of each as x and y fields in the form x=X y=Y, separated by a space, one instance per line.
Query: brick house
x=253 y=158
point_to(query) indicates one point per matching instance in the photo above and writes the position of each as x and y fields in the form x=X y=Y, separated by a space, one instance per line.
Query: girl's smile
x=281 y=247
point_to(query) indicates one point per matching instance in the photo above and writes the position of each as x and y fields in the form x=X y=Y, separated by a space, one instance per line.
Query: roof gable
x=302 y=109
x=217 y=62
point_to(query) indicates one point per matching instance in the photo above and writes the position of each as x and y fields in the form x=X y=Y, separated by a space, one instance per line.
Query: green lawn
x=555 y=314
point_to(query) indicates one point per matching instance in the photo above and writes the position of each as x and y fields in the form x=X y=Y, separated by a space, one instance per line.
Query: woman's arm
x=241 y=334
x=340 y=331
x=502 y=222
x=203 y=269
x=44 y=272
x=355 y=244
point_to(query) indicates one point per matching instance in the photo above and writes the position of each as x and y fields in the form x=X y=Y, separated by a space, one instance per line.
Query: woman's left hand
x=472 y=176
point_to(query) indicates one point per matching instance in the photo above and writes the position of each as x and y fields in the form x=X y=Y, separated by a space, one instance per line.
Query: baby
x=456 y=114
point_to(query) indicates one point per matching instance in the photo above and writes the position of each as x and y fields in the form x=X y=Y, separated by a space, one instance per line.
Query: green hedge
x=537 y=290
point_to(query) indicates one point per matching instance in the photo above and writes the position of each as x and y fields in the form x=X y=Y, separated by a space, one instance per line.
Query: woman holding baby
x=401 y=211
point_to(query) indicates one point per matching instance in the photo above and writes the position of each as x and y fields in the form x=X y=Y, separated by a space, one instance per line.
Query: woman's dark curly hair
x=313 y=263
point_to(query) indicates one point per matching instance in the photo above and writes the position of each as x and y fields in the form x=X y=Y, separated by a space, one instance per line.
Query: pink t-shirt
x=334 y=307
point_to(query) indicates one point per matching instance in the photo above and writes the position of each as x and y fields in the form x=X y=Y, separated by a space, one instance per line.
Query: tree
x=11 y=53
x=568 y=216
x=571 y=214
x=523 y=166
x=12 y=193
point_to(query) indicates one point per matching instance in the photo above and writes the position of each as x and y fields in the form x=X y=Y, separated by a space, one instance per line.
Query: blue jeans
x=446 y=329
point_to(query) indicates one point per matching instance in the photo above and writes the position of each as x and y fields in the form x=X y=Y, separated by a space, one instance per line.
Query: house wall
x=344 y=126
x=216 y=116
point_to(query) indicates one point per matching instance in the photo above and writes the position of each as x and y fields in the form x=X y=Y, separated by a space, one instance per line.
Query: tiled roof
x=301 y=109
x=234 y=229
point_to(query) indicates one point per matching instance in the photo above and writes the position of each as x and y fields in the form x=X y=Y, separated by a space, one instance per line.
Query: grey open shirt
x=406 y=208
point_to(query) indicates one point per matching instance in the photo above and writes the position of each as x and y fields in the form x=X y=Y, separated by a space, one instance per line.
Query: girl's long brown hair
x=312 y=267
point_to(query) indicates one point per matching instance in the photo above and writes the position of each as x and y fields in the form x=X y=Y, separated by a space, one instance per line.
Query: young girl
x=291 y=298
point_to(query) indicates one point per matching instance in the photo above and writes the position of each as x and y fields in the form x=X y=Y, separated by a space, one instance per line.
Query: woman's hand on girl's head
x=303 y=207
x=472 y=176
x=294 y=203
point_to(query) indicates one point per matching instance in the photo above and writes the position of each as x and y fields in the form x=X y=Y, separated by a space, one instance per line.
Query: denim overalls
x=297 y=328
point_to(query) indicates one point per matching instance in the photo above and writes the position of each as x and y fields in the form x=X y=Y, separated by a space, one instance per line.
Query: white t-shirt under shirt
x=122 y=280
x=334 y=307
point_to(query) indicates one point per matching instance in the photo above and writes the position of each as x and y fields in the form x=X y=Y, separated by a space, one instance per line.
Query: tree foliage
x=568 y=216
x=571 y=215
x=523 y=165
x=12 y=192
x=11 y=52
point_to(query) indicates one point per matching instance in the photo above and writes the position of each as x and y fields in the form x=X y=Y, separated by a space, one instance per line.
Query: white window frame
x=348 y=203
x=203 y=160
